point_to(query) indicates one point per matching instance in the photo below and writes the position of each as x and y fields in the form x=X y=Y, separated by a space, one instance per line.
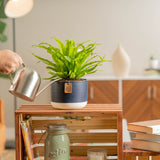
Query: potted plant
x=3 y=37
x=70 y=62
x=154 y=62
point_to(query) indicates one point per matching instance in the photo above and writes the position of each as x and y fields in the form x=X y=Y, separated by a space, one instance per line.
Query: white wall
x=5 y=84
x=134 y=23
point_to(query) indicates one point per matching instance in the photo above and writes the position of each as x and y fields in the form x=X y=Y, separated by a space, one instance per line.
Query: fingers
x=9 y=69
x=9 y=61
x=13 y=68
x=18 y=59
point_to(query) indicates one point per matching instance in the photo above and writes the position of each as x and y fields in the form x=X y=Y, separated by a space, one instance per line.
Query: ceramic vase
x=121 y=62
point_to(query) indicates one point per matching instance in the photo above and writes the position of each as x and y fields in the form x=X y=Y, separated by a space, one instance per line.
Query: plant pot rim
x=71 y=80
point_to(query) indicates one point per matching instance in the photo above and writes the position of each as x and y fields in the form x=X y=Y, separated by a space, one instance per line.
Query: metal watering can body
x=26 y=83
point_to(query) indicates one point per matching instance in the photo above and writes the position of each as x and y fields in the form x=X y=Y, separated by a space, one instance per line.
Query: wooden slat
x=143 y=158
x=128 y=151
x=78 y=158
x=130 y=158
x=86 y=137
x=83 y=158
x=74 y=124
x=34 y=109
x=74 y=114
x=107 y=116
x=155 y=157
x=136 y=152
x=93 y=137
x=82 y=150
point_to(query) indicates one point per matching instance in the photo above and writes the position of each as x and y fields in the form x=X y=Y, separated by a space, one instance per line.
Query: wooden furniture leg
x=120 y=137
x=18 y=138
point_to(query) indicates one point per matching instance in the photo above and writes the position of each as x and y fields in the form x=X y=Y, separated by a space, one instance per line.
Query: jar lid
x=56 y=127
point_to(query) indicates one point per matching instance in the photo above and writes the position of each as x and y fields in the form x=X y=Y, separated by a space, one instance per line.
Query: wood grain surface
x=2 y=128
x=137 y=100
x=130 y=154
x=103 y=92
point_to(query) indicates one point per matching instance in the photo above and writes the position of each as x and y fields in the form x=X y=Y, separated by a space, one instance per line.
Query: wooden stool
x=130 y=154
x=95 y=116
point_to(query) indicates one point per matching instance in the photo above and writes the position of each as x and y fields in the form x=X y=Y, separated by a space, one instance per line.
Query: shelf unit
x=93 y=117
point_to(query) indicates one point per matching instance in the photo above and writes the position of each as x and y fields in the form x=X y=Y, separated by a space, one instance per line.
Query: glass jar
x=96 y=154
x=57 y=145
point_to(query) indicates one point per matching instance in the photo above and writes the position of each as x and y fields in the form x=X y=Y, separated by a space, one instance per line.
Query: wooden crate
x=94 y=117
x=134 y=154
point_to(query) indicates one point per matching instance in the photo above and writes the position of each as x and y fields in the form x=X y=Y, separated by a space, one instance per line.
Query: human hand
x=9 y=61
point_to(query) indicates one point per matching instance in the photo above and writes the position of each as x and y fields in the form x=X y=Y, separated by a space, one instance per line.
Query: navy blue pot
x=75 y=99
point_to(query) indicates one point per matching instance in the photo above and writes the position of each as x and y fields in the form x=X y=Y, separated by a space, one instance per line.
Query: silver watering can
x=25 y=84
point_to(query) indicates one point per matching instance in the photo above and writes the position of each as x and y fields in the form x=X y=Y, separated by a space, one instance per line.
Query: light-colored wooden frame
x=103 y=116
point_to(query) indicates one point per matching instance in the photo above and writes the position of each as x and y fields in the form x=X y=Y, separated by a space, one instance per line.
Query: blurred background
x=135 y=24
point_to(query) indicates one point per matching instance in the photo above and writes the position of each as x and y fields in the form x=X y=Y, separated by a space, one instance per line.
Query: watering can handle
x=47 y=86
x=11 y=79
x=10 y=76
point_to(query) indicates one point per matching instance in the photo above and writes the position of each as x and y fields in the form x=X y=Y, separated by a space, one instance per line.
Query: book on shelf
x=151 y=71
x=150 y=127
x=30 y=143
x=153 y=146
x=147 y=137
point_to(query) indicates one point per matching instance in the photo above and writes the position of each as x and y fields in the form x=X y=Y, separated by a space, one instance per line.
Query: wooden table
x=102 y=116
x=130 y=154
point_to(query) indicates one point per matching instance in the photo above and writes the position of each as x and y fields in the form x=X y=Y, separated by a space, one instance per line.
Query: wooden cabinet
x=141 y=100
x=103 y=91
x=156 y=99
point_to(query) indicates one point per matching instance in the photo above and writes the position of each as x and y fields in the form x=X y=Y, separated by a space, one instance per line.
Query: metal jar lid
x=56 y=127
